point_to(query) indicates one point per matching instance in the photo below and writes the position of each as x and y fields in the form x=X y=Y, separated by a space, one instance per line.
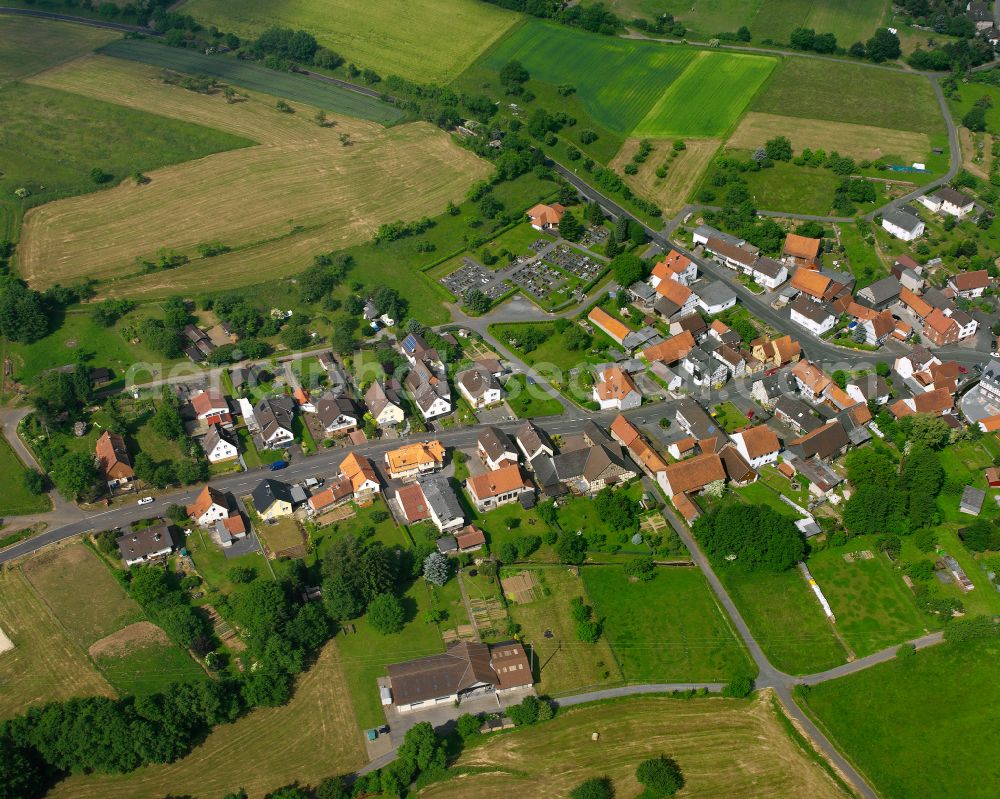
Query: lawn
x=284 y=534
x=312 y=737
x=45 y=665
x=725 y=747
x=299 y=193
x=873 y=606
x=864 y=262
x=365 y=654
x=63 y=576
x=730 y=417
x=512 y=521
x=33 y=45
x=564 y=665
x=786 y=619
x=894 y=721
x=669 y=629
x=802 y=87
x=430 y=41
x=551 y=351
x=758 y=493
x=15 y=499
x=969 y=94
x=642 y=86
x=530 y=402
x=144 y=662
x=213 y=565
x=248 y=75
x=770 y=476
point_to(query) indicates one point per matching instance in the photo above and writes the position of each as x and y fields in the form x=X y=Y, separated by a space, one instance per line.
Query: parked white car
x=145 y=501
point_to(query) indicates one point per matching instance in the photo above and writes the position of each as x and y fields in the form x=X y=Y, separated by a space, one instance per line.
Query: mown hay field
x=432 y=40
x=726 y=748
x=32 y=45
x=646 y=87
x=45 y=664
x=670 y=192
x=810 y=88
x=858 y=141
x=298 y=193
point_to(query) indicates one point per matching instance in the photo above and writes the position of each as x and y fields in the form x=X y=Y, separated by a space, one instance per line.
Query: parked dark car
x=278 y=465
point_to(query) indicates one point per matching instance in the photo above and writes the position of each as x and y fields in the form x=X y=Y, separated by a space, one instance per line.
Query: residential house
x=480 y=388
x=703 y=233
x=273 y=499
x=970 y=284
x=723 y=333
x=384 y=404
x=412 y=505
x=703 y=369
x=415 y=349
x=211 y=407
x=466 y=670
x=880 y=294
x=692 y=475
x=218 y=445
x=671 y=350
x=812 y=382
x=916 y=304
x=674 y=298
x=940 y=329
x=878 y=328
x=908 y=272
x=338 y=414
x=273 y=417
x=768 y=390
x=626 y=434
x=591 y=461
x=796 y=415
x=869 y=388
x=919 y=359
x=232 y=528
x=693 y=324
x=811 y=283
x=615 y=389
x=145 y=545
x=824 y=442
x=674 y=266
x=336 y=493
x=113 y=460
x=738 y=471
x=413 y=460
x=776 y=352
x=947 y=200
x=694 y=421
x=903 y=223
x=546 y=217
x=801 y=251
x=980 y=13
x=759 y=445
x=533 y=441
x=767 y=272
x=991 y=424
x=740 y=257
x=730 y=358
x=495 y=448
x=361 y=474
x=822 y=479
x=938 y=402
x=209 y=507
x=814 y=317
x=443 y=507
x=989 y=381
x=498 y=487
x=714 y=296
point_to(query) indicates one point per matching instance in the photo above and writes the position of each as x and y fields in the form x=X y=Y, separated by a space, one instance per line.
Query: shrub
x=597 y=788
x=738 y=687
x=660 y=776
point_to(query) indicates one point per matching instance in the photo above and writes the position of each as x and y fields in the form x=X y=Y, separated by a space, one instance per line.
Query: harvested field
x=299 y=193
x=81 y=593
x=312 y=737
x=432 y=40
x=683 y=172
x=45 y=664
x=140 y=659
x=858 y=141
x=141 y=633
x=32 y=45
x=726 y=748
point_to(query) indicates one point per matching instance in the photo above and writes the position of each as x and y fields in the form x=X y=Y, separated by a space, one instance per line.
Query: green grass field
x=643 y=86
x=758 y=493
x=148 y=667
x=786 y=619
x=969 y=94
x=669 y=629
x=15 y=499
x=894 y=721
x=32 y=45
x=429 y=41
x=530 y=402
x=804 y=87
x=327 y=96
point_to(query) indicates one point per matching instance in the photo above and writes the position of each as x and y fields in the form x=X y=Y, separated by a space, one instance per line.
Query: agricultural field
x=312 y=737
x=774 y=20
x=45 y=664
x=564 y=665
x=669 y=629
x=786 y=619
x=805 y=87
x=32 y=45
x=428 y=41
x=15 y=499
x=858 y=141
x=299 y=192
x=683 y=171
x=642 y=89
x=905 y=712
x=725 y=747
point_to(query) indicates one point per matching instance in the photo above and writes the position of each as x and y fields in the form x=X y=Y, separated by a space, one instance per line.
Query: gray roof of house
x=814 y=311
x=799 y=412
x=642 y=290
x=881 y=290
x=768 y=266
x=715 y=292
x=441 y=498
x=268 y=492
x=711 y=233
x=901 y=219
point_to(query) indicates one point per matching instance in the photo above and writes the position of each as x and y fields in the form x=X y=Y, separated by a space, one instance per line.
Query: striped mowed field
x=638 y=87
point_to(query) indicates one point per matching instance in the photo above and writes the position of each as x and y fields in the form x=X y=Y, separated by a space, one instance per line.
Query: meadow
x=894 y=720
x=32 y=45
x=311 y=737
x=248 y=75
x=669 y=629
x=969 y=94
x=642 y=87
x=851 y=93
x=301 y=191
x=683 y=171
x=427 y=41
x=139 y=660
x=725 y=747
x=15 y=499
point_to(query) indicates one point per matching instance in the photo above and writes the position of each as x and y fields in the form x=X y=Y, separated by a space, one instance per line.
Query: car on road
x=145 y=501
x=278 y=466
x=750 y=414
x=963 y=370
x=771 y=372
